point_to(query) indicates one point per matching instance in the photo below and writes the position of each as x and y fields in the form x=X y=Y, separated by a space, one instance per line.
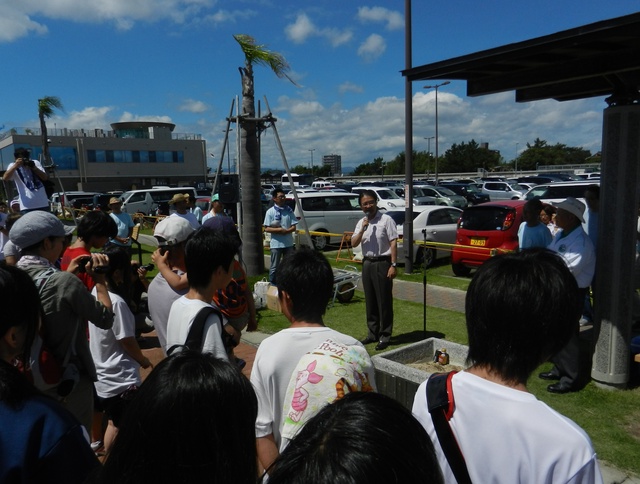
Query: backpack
x=322 y=376
x=196 y=332
x=45 y=370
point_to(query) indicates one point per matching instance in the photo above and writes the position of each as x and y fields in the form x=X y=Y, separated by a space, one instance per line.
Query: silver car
x=502 y=190
x=444 y=196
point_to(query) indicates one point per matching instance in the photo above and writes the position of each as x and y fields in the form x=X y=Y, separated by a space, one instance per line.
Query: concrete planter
x=399 y=381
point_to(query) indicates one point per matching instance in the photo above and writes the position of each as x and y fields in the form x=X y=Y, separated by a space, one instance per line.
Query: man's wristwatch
x=394 y=264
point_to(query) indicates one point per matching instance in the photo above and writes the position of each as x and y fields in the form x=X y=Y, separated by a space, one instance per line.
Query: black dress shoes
x=382 y=345
x=560 y=388
x=366 y=341
x=549 y=375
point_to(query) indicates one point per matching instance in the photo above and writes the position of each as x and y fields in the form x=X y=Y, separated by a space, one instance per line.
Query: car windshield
x=473 y=189
x=484 y=218
x=515 y=186
x=445 y=191
x=398 y=216
x=386 y=194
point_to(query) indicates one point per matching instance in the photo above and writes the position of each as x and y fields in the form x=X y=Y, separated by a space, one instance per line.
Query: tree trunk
x=43 y=139
x=253 y=252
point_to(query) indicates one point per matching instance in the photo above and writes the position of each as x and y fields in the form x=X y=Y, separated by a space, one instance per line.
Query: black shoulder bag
x=194 y=338
x=441 y=406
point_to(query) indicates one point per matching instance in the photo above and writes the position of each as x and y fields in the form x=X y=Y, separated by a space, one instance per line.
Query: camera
x=146 y=267
x=98 y=269
x=28 y=162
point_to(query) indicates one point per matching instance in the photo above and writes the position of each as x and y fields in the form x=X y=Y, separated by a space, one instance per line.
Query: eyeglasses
x=280 y=197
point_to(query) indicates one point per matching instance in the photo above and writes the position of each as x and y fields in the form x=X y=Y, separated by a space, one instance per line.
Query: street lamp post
x=311 y=151
x=436 y=86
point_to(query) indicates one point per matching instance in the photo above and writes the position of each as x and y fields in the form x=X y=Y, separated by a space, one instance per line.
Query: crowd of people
x=70 y=361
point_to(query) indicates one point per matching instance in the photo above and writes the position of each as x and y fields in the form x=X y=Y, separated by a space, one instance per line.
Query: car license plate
x=478 y=242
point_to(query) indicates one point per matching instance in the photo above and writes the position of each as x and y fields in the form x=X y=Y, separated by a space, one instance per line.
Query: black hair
x=96 y=224
x=533 y=206
x=364 y=437
x=17 y=285
x=275 y=192
x=21 y=153
x=205 y=252
x=549 y=209
x=521 y=308
x=192 y=420
x=11 y=219
x=3 y=204
x=367 y=193
x=119 y=260
x=593 y=188
x=308 y=279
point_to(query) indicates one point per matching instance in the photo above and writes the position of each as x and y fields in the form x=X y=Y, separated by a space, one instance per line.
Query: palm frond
x=256 y=54
x=47 y=104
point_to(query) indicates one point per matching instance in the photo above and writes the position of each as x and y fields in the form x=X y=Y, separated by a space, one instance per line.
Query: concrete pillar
x=616 y=244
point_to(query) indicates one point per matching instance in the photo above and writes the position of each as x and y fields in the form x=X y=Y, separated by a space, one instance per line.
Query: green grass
x=611 y=418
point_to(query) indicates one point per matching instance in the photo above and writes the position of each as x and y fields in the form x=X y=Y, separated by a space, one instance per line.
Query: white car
x=439 y=224
x=388 y=199
x=502 y=190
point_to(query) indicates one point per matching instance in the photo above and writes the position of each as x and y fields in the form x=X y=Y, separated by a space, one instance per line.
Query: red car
x=483 y=231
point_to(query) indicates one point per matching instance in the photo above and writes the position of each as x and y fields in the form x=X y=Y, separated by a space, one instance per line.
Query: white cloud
x=350 y=87
x=16 y=18
x=300 y=30
x=303 y=29
x=230 y=16
x=394 y=20
x=372 y=48
x=193 y=106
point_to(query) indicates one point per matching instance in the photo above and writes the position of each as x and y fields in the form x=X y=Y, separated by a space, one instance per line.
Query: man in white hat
x=180 y=202
x=171 y=282
x=576 y=249
x=124 y=222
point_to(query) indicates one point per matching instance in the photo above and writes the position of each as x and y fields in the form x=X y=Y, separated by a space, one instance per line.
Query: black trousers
x=378 y=294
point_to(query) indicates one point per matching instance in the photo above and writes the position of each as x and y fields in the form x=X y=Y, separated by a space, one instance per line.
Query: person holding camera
x=66 y=304
x=28 y=175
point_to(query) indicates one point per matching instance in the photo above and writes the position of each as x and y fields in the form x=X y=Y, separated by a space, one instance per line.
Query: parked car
x=502 y=190
x=527 y=186
x=419 y=198
x=325 y=211
x=444 y=196
x=539 y=179
x=204 y=203
x=152 y=201
x=469 y=191
x=483 y=231
x=439 y=224
x=387 y=198
x=556 y=192
x=57 y=201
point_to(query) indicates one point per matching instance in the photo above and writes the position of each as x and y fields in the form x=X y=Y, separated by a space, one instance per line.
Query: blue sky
x=176 y=61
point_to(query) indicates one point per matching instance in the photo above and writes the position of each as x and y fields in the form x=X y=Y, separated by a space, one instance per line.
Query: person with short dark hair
x=28 y=175
x=305 y=284
x=95 y=229
x=548 y=218
x=521 y=309
x=280 y=222
x=378 y=235
x=209 y=257
x=532 y=233
x=190 y=421
x=40 y=440
x=115 y=351
x=362 y=438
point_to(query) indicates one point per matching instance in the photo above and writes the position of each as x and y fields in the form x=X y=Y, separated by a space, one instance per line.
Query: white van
x=322 y=185
x=152 y=201
x=57 y=201
x=330 y=212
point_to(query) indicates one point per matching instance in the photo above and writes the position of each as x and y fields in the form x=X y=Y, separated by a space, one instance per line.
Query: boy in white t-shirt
x=520 y=309
x=209 y=259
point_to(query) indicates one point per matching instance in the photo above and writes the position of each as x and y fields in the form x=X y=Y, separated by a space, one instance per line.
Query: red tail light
x=509 y=219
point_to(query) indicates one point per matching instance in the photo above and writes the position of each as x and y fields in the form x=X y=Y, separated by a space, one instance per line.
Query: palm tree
x=250 y=148
x=46 y=106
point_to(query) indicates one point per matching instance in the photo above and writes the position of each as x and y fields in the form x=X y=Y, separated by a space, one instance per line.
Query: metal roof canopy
x=597 y=59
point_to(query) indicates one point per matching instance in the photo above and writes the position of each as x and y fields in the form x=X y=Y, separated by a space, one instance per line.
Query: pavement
x=436 y=296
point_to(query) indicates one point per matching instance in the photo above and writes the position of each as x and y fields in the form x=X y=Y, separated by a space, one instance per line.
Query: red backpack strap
x=441 y=405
